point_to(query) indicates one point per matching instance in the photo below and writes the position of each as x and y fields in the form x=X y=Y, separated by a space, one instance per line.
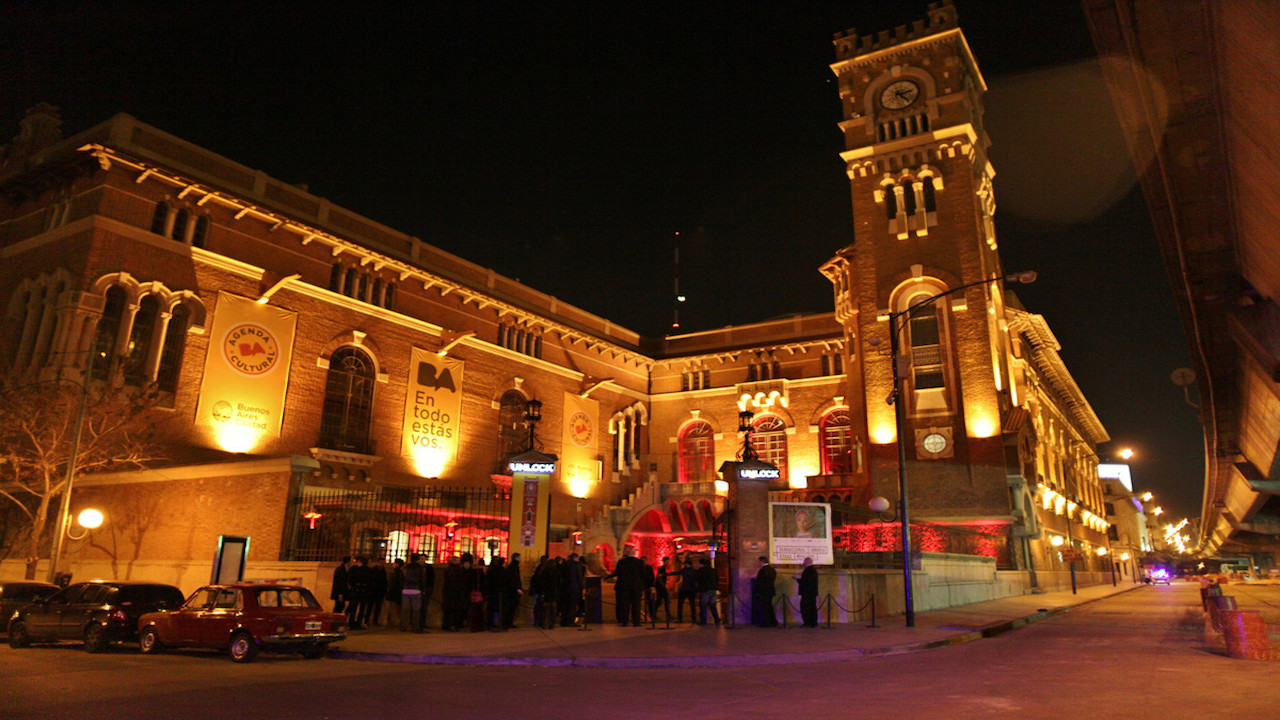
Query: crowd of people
x=477 y=597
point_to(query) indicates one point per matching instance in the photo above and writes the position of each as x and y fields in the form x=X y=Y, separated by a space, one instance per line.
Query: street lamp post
x=900 y=421
x=64 y=508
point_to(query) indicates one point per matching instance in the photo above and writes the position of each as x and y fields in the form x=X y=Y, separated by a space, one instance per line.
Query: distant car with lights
x=244 y=618
x=1160 y=576
x=97 y=613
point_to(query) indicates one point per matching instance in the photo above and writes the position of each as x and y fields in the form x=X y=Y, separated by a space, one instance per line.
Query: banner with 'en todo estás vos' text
x=432 y=412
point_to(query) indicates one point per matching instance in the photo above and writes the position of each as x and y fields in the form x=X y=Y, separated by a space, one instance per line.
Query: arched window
x=837 y=442
x=697 y=452
x=175 y=341
x=348 y=402
x=890 y=201
x=930 y=195
x=926 y=345
x=909 y=196
x=512 y=435
x=104 y=340
x=769 y=440
x=160 y=218
x=138 y=351
x=201 y=231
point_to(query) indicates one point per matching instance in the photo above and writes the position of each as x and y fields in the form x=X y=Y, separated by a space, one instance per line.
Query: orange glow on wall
x=237 y=438
x=883 y=433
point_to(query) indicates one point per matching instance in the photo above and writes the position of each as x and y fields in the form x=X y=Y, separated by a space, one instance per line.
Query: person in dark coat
x=548 y=578
x=455 y=596
x=661 y=594
x=512 y=591
x=475 y=592
x=395 y=583
x=629 y=589
x=708 y=583
x=687 y=590
x=570 y=589
x=495 y=583
x=762 y=595
x=358 y=586
x=377 y=591
x=808 y=582
x=341 y=592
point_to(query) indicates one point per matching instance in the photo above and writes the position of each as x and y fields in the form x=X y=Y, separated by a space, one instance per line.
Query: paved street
x=1137 y=654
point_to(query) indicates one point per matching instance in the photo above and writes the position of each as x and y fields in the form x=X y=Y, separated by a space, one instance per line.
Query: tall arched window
x=348 y=402
x=837 y=442
x=175 y=341
x=926 y=345
x=769 y=440
x=697 y=452
x=104 y=340
x=512 y=435
x=138 y=351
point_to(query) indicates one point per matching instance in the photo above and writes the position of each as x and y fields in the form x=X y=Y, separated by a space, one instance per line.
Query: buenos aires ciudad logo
x=251 y=349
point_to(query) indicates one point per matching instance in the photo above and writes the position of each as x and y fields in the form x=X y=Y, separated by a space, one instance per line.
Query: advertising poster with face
x=798 y=531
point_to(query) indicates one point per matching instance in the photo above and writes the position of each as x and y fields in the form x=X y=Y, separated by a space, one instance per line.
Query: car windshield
x=287 y=598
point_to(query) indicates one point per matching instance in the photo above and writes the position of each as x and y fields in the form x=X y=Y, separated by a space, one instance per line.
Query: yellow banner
x=246 y=372
x=530 y=502
x=432 y=411
x=579 y=457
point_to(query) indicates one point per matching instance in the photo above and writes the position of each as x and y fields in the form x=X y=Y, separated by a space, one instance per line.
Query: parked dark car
x=245 y=618
x=97 y=613
x=17 y=593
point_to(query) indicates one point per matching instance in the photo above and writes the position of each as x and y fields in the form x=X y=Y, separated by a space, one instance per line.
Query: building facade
x=327 y=385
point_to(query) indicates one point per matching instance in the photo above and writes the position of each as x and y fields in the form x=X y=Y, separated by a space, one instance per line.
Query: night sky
x=566 y=144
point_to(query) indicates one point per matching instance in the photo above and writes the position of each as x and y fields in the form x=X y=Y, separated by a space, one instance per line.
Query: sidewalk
x=611 y=646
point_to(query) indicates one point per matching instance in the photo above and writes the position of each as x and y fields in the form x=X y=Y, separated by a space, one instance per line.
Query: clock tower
x=921 y=186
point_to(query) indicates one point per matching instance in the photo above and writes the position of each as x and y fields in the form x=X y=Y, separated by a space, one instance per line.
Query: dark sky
x=566 y=143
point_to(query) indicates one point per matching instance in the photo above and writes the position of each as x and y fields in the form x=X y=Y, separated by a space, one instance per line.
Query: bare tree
x=37 y=433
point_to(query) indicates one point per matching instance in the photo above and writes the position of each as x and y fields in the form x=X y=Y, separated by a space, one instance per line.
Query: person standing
x=629 y=588
x=661 y=593
x=495 y=583
x=475 y=593
x=454 y=596
x=687 y=590
x=395 y=583
x=377 y=591
x=570 y=590
x=808 y=589
x=548 y=577
x=762 y=594
x=412 y=596
x=358 y=588
x=341 y=587
x=512 y=591
x=707 y=583
x=650 y=579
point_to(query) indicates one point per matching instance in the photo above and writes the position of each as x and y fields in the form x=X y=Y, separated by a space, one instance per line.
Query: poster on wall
x=579 y=455
x=432 y=412
x=246 y=372
x=800 y=530
x=530 y=502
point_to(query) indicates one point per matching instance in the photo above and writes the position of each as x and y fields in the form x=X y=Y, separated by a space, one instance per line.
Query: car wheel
x=149 y=641
x=314 y=653
x=18 y=635
x=243 y=647
x=95 y=638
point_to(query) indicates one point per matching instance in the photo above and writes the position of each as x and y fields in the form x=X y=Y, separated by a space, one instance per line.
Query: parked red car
x=245 y=618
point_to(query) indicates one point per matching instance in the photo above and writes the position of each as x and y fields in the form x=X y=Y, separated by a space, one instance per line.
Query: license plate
x=312 y=625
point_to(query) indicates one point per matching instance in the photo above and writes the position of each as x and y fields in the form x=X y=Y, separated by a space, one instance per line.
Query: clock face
x=899 y=94
x=934 y=443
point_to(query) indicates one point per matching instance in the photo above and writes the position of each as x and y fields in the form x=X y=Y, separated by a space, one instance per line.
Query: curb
x=722 y=661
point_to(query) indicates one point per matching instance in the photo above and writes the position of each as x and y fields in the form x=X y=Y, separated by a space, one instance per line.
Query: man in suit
x=629 y=589
x=762 y=595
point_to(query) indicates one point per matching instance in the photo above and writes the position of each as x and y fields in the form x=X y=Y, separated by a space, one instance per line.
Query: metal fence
x=385 y=523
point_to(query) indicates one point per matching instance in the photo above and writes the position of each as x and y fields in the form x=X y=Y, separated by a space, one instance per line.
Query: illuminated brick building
x=378 y=369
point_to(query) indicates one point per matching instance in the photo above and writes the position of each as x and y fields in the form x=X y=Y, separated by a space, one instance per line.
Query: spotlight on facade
x=1056 y=541
x=89 y=518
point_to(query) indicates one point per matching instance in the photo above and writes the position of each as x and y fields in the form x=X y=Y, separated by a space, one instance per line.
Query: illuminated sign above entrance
x=533 y=468
x=759 y=473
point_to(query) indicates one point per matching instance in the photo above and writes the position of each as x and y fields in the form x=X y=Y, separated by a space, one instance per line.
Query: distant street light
x=900 y=422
